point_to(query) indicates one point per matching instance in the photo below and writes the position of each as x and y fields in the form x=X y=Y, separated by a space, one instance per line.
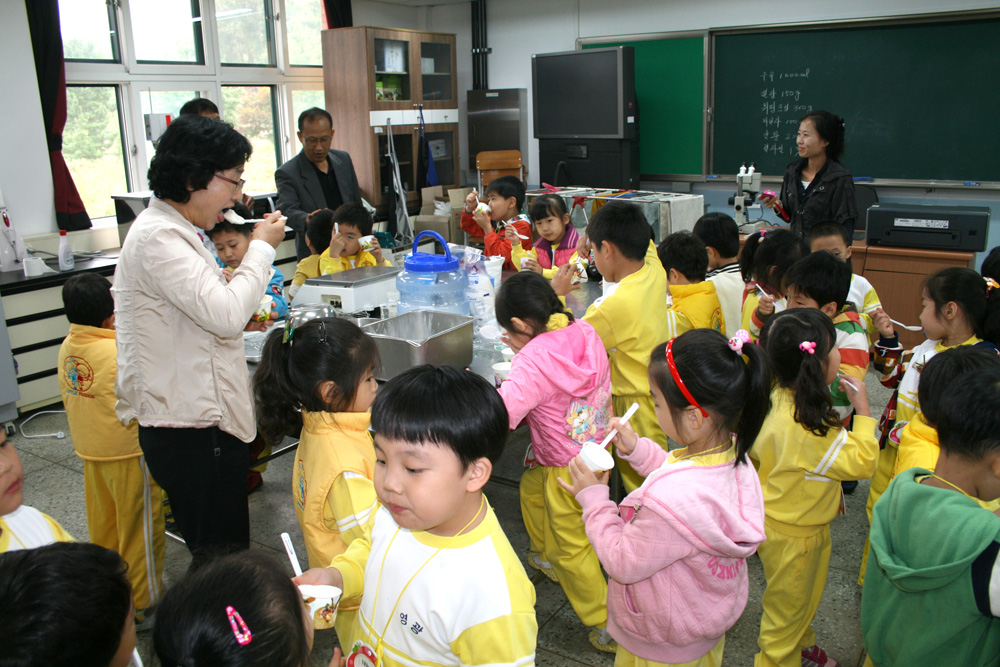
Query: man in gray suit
x=317 y=178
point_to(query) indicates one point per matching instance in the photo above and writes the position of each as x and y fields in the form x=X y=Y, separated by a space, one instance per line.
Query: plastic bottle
x=8 y=258
x=66 y=260
x=432 y=282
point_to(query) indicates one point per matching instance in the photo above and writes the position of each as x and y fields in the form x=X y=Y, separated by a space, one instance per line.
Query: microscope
x=747 y=187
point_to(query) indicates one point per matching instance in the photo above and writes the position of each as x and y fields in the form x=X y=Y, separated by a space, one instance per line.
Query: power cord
x=58 y=434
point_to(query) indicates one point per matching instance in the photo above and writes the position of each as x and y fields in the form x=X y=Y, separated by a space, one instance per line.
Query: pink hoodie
x=561 y=381
x=676 y=553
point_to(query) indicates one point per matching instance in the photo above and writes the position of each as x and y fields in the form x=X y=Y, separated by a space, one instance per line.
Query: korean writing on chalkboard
x=770 y=76
x=780 y=109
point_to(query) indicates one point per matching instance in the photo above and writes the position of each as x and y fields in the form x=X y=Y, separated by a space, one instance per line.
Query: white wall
x=385 y=15
x=518 y=28
x=25 y=174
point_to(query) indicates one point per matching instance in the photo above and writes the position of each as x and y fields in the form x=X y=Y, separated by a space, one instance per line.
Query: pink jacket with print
x=676 y=553
x=561 y=381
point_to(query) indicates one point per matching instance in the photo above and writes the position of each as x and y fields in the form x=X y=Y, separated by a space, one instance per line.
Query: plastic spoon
x=624 y=420
x=516 y=232
x=843 y=378
x=290 y=550
x=906 y=326
x=136 y=660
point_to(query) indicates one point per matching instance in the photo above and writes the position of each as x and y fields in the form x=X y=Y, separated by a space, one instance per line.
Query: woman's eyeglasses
x=239 y=184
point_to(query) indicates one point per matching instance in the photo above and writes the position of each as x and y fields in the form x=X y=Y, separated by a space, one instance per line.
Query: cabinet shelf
x=436 y=73
x=384 y=72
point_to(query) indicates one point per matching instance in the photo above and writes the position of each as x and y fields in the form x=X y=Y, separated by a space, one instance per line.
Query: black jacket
x=300 y=192
x=829 y=198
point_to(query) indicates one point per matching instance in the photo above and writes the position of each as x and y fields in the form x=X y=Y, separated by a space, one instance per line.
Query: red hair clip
x=680 y=382
x=808 y=346
x=241 y=632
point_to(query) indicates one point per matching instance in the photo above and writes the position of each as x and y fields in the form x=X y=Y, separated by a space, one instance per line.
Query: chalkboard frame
x=711 y=34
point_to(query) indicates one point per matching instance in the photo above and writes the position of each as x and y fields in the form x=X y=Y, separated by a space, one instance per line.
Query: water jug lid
x=427 y=263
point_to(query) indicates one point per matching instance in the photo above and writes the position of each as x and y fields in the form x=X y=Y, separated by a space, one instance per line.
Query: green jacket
x=928 y=601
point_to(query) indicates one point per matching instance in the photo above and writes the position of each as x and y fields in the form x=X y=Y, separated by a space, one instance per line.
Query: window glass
x=251 y=110
x=302 y=100
x=92 y=146
x=305 y=20
x=89 y=30
x=160 y=101
x=244 y=32
x=167 y=31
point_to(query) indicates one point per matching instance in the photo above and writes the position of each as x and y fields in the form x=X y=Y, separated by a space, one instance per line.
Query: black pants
x=204 y=473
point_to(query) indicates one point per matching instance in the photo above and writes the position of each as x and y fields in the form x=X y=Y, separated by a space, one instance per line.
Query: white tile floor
x=54 y=485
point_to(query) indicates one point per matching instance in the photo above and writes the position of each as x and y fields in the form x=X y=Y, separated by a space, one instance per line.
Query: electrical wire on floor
x=58 y=434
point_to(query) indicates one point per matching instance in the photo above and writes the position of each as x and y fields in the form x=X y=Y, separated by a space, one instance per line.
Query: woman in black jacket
x=816 y=187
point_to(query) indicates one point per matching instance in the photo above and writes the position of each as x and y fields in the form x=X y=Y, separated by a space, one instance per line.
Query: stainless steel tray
x=421 y=337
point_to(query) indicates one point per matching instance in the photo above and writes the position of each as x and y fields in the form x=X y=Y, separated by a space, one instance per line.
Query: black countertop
x=15 y=282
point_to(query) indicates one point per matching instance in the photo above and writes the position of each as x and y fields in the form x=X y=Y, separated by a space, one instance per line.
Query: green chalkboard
x=670 y=85
x=920 y=100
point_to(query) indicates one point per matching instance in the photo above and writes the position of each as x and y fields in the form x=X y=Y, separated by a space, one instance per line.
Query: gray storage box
x=421 y=337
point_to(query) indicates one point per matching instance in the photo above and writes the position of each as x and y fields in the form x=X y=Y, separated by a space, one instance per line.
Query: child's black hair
x=991 y=265
x=320 y=230
x=767 y=256
x=418 y=406
x=528 y=296
x=733 y=390
x=192 y=623
x=63 y=605
x=821 y=277
x=291 y=374
x=980 y=303
x=354 y=214
x=719 y=231
x=944 y=367
x=830 y=127
x=969 y=418
x=87 y=299
x=686 y=253
x=226 y=226
x=624 y=225
x=545 y=206
x=507 y=187
x=797 y=369
x=824 y=229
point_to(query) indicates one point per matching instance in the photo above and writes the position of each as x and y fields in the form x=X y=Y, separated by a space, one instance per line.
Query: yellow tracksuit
x=907 y=406
x=329 y=264
x=27 y=528
x=124 y=503
x=532 y=494
x=711 y=659
x=333 y=490
x=517 y=253
x=695 y=306
x=749 y=320
x=630 y=326
x=307 y=268
x=800 y=474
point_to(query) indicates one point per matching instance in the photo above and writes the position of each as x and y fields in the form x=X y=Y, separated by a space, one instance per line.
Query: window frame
x=132 y=79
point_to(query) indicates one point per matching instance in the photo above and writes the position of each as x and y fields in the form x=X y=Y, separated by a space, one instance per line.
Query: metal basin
x=421 y=337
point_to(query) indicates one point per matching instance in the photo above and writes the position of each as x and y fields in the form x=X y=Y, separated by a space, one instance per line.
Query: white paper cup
x=366 y=242
x=524 y=261
x=483 y=207
x=507 y=353
x=500 y=371
x=596 y=457
x=322 y=604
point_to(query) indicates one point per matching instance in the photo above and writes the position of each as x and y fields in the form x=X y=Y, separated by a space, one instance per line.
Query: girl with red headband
x=802 y=454
x=676 y=548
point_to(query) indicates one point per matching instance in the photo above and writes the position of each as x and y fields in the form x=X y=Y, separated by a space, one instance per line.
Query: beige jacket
x=179 y=325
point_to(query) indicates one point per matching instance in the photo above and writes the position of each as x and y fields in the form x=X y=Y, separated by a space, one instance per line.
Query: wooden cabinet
x=375 y=78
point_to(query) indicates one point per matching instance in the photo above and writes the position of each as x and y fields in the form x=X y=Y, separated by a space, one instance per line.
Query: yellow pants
x=125 y=514
x=711 y=659
x=345 y=626
x=554 y=520
x=880 y=482
x=795 y=569
x=533 y=508
x=644 y=423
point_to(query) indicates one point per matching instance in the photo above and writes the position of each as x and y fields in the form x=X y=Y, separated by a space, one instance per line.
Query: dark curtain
x=338 y=13
x=46 y=42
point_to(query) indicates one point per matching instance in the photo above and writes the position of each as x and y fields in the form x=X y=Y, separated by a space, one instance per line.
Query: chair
x=865 y=196
x=494 y=164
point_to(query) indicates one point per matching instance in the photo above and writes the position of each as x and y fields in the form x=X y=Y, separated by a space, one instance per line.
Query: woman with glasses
x=182 y=372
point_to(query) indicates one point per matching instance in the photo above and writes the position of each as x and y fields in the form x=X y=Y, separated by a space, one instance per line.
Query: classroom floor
x=54 y=485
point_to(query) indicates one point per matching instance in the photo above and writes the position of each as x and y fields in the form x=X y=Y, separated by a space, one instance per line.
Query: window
x=251 y=110
x=160 y=101
x=244 y=35
x=166 y=31
x=92 y=146
x=305 y=20
x=89 y=31
x=302 y=100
